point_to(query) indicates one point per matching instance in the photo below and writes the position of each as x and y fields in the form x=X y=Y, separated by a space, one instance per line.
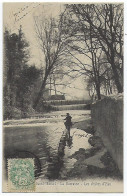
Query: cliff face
x=107 y=119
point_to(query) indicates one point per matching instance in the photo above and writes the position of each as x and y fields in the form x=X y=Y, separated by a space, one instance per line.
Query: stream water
x=44 y=139
x=40 y=138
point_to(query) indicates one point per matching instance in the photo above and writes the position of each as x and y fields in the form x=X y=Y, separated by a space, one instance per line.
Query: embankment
x=107 y=119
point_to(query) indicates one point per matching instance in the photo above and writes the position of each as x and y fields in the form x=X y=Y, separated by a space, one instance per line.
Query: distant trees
x=19 y=78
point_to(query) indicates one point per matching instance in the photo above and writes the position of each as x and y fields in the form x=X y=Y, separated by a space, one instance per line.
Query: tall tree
x=50 y=38
x=83 y=44
x=106 y=22
x=19 y=78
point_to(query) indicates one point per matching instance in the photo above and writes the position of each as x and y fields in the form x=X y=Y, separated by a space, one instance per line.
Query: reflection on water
x=44 y=140
x=78 y=140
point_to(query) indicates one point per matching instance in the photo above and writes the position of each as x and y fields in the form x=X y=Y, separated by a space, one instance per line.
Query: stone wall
x=107 y=119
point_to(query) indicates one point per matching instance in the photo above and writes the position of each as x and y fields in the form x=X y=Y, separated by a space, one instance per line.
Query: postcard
x=63 y=97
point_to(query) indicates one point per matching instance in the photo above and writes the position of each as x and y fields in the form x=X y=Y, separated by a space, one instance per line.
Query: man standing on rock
x=68 y=123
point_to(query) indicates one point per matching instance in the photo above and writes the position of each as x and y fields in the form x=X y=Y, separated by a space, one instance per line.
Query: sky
x=16 y=14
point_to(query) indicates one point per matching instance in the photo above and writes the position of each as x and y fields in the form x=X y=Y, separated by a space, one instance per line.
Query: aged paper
x=63 y=97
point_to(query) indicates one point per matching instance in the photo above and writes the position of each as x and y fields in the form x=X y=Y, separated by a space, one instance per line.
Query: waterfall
x=70 y=107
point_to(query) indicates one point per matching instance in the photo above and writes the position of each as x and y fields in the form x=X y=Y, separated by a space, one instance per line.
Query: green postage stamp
x=21 y=175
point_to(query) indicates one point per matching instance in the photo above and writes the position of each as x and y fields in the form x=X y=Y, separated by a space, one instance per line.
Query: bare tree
x=49 y=34
x=83 y=42
x=106 y=22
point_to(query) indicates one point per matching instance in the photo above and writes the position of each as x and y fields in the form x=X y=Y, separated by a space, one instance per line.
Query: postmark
x=21 y=176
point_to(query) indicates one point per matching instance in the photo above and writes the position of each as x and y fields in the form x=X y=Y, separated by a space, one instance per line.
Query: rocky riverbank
x=92 y=161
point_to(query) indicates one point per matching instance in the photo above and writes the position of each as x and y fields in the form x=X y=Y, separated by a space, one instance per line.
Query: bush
x=12 y=113
x=28 y=113
x=16 y=113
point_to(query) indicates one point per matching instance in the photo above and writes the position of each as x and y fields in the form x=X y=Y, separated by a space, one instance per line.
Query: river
x=44 y=139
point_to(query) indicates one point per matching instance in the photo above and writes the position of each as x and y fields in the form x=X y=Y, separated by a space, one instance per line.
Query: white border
x=125 y=99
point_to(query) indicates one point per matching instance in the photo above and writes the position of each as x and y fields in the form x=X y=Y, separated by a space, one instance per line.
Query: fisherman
x=68 y=123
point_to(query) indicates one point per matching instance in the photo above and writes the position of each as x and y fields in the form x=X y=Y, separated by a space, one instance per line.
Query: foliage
x=19 y=77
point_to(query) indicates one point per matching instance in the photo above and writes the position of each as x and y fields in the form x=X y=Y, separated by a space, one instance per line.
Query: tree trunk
x=50 y=86
x=117 y=79
x=114 y=67
x=54 y=85
x=98 y=91
x=40 y=93
x=115 y=72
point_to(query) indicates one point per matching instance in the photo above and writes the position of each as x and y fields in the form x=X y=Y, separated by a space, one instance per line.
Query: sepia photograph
x=63 y=97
